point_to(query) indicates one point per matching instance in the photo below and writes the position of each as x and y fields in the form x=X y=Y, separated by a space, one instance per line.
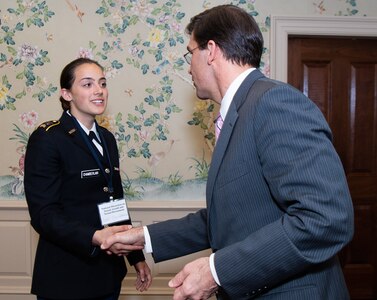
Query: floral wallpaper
x=164 y=133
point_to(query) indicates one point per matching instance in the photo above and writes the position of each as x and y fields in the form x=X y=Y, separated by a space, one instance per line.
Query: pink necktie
x=218 y=124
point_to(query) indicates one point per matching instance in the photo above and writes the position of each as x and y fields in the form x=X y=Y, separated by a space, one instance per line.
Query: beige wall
x=142 y=61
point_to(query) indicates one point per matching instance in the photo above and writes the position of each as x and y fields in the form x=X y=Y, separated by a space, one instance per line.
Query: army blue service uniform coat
x=63 y=185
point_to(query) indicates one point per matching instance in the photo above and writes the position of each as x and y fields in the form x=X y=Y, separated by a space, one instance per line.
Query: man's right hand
x=121 y=243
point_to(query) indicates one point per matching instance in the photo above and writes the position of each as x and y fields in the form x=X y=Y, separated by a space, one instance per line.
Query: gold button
x=107 y=170
x=105 y=189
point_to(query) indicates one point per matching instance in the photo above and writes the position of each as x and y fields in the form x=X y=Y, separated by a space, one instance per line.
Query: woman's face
x=88 y=95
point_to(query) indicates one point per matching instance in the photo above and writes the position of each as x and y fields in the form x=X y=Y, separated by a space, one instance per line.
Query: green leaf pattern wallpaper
x=165 y=134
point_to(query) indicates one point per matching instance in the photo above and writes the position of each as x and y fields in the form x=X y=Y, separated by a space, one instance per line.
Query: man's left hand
x=194 y=281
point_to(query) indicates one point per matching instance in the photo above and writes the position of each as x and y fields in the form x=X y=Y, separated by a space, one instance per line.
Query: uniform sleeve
x=135 y=257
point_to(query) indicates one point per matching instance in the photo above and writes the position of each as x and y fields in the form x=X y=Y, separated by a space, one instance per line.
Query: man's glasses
x=188 y=55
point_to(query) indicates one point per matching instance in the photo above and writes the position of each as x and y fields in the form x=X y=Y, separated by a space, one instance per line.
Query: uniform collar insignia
x=72 y=130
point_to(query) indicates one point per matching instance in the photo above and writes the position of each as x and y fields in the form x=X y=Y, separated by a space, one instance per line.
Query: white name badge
x=113 y=212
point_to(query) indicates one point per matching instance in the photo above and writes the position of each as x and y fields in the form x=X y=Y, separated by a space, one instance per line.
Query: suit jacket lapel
x=221 y=145
x=227 y=129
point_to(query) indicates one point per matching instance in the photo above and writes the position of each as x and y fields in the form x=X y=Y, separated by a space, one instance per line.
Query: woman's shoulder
x=47 y=129
x=47 y=125
x=45 y=138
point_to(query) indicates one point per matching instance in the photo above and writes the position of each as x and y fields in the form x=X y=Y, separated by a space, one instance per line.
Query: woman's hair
x=67 y=76
x=234 y=30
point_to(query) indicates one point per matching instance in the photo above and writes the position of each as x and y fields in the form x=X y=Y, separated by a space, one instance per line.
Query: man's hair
x=234 y=30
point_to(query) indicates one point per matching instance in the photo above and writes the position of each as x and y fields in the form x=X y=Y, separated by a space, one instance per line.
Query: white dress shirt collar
x=229 y=95
x=86 y=130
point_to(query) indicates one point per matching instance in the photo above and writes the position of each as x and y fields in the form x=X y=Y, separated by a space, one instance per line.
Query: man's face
x=199 y=69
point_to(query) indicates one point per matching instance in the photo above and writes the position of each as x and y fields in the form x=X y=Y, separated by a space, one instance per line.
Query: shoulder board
x=47 y=125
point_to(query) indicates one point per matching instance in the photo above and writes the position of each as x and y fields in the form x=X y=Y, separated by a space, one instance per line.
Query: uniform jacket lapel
x=70 y=128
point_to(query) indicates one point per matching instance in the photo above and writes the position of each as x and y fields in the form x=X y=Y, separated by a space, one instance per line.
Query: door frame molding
x=283 y=26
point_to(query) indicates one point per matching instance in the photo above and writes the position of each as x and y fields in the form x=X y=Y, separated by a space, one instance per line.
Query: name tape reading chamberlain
x=90 y=173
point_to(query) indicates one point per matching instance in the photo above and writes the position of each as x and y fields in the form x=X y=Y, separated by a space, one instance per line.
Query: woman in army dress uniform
x=67 y=176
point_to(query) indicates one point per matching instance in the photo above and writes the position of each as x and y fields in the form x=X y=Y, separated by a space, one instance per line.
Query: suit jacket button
x=107 y=170
x=105 y=189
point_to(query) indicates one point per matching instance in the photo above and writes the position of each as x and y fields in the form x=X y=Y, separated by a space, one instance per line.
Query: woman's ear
x=66 y=94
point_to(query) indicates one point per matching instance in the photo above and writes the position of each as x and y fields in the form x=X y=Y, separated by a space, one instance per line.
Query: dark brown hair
x=234 y=30
x=67 y=76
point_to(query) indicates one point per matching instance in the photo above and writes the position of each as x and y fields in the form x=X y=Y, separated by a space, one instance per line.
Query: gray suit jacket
x=278 y=206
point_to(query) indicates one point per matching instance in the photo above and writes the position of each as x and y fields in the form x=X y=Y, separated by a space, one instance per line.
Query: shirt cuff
x=148 y=244
x=213 y=270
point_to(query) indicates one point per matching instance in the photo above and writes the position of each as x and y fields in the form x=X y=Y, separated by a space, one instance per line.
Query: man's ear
x=213 y=51
x=66 y=94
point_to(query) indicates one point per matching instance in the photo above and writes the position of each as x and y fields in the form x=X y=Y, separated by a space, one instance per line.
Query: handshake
x=194 y=281
x=120 y=240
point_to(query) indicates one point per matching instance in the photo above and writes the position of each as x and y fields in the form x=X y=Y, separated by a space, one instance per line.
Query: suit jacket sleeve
x=179 y=237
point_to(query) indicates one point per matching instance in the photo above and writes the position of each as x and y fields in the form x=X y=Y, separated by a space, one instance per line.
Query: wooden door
x=340 y=76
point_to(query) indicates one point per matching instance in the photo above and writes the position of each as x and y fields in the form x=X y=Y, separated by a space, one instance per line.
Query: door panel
x=340 y=76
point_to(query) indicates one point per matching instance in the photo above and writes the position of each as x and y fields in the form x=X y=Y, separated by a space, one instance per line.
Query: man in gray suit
x=278 y=206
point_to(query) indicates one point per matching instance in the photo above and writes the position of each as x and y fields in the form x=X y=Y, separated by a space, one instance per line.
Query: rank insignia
x=72 y=131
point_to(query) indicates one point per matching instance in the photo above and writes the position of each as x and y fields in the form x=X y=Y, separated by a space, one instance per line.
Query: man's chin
x=201 y=97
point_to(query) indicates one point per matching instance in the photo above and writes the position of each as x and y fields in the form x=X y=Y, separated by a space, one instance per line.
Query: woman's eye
x=103 y=84
x=87 y=84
